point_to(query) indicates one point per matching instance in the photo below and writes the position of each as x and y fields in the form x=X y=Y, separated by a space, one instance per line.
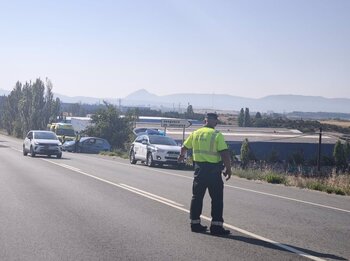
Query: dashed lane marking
x=178 y=206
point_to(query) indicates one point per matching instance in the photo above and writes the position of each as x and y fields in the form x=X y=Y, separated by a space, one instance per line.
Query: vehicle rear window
x=162 y=140
x=45 y=136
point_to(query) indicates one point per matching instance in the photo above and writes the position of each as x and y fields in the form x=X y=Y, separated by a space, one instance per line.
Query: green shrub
x=339 y=191
x=315 y=185
x=275 y=179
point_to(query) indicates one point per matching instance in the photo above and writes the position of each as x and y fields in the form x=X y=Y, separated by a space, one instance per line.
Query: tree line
x=29 y=106
x=244 y=119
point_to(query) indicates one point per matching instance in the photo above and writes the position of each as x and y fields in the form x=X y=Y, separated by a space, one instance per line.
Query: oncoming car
x=155 y=150
x=87 y=145
x=43 y=143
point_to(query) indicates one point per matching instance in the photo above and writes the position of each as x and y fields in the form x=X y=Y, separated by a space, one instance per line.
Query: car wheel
x=59 y=156
x=150 y=162
x=32 y=153
x=132 y=157
x=24 y=151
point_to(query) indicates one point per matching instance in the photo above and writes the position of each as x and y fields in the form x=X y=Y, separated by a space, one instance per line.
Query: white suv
x=155 y=150
x=42 y=142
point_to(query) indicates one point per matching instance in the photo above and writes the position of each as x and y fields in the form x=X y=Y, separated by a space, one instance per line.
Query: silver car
x=43 y=143
x=155 y=150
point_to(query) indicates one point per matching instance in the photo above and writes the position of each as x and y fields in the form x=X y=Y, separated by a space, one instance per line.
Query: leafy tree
x=339 y=155
x=347 y=150
x=240 y=118
x=190 y=111
x=107 y=124
x=28 y=107
x=11 y=117
x=245 y=153
x=247 y=121
x=258 y=115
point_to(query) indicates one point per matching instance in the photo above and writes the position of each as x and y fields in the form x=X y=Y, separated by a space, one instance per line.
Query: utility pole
x=319 y=150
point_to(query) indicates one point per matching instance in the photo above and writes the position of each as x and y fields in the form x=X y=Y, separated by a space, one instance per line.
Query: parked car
x=149 y=131
x=87 y=145
x=43 y=143
x=155 y=149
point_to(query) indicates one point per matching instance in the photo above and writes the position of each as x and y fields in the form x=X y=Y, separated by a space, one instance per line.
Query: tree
x=189 y=111
x=107 y=124
x=347 y=150
x=339 y=155
x=245 y=153
x=11 y=117
x=241 y=118
x=28 y=107
x=247 y=121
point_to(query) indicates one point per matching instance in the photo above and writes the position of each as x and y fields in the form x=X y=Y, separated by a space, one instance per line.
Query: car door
x=138 y=148
x=144 y=146
x=27 y=140
x=88 y=146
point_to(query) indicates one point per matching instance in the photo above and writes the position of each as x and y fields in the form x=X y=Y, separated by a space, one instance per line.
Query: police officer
x=211 y=156
x=77 y=140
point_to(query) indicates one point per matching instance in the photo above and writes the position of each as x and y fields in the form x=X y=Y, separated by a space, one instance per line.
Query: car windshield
x=45 y=136
x=66 y=132
x=162 y=140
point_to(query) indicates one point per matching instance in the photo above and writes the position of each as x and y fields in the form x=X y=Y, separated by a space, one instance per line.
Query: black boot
x=198 y=228
x=218 y=230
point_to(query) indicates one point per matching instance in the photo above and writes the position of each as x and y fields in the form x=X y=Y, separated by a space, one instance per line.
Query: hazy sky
x=249 y=48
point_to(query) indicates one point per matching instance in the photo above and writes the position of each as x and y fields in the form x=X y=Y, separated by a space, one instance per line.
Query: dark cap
x=211 y=115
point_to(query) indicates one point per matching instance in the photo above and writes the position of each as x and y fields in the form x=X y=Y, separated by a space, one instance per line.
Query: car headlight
x=155 y=149
x=152 y=149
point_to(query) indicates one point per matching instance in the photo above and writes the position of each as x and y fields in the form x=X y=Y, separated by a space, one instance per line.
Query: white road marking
x=287 y=198
x=245 y=189
x=235 y=187
x=150 y=194
x=167 y=202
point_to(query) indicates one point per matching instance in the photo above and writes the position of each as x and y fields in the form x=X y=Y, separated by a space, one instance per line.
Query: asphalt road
x=90 y=207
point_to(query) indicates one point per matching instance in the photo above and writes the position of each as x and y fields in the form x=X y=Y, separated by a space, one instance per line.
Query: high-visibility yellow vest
x=206 y=143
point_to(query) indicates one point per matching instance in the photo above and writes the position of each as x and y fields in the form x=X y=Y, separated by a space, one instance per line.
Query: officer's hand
x=228 y=174
x=180 y=159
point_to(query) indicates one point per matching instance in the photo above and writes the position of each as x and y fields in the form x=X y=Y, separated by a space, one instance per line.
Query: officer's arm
x=225 y=156
x=182 y=154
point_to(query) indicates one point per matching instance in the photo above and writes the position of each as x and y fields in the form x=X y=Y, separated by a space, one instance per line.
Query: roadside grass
x=335 y=184
x=116 y=153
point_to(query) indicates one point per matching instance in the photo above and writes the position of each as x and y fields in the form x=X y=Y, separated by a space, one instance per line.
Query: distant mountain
x=274 y=103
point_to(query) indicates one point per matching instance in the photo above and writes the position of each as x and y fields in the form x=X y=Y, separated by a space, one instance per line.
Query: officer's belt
x=209 y=164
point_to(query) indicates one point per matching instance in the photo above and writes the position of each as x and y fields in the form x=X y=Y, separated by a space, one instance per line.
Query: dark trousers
x=207 y=176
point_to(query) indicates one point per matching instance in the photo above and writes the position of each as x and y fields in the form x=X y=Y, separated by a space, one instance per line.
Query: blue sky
x=249 y=48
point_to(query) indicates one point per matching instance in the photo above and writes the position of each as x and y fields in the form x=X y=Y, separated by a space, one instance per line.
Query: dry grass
x=341 y=123
x=337 y=184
